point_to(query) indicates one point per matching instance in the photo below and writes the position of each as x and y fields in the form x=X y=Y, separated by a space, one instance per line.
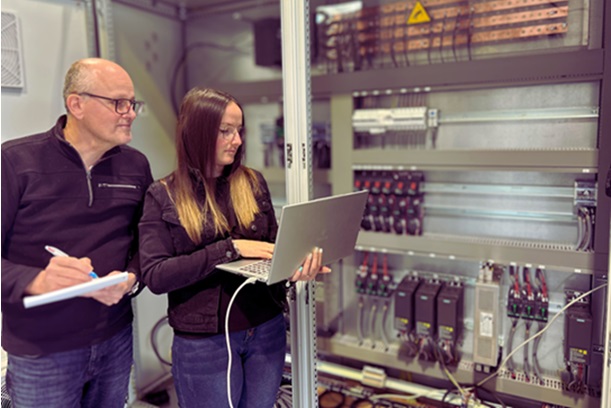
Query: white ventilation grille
x=12 y=66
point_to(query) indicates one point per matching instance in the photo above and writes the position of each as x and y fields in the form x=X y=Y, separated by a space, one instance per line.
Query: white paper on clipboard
x=74 y=291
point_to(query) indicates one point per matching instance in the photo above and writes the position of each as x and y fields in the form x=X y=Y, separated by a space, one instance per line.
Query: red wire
x=543 y=284
x=527 y=282
x=374 y=267
x=385 y=265
x=516 y=283
x=366 y=258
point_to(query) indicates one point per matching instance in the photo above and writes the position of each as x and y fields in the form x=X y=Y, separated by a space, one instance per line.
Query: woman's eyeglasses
x=227 y=132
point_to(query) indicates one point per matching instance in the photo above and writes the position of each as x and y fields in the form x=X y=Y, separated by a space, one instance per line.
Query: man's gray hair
x=78 y=79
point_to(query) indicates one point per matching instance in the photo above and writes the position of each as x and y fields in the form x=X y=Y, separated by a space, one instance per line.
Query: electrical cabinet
x=481 y=131
x=506 y=157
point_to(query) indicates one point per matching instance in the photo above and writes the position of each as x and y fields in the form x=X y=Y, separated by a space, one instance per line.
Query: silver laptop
x=331 y=223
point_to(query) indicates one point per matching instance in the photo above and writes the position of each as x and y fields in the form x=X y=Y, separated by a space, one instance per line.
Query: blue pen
x=58 y=252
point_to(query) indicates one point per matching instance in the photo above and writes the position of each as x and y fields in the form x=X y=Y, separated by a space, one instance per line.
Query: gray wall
x=47 y=54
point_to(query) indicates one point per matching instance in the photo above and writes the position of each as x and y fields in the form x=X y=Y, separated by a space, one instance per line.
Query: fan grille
x=12 y=69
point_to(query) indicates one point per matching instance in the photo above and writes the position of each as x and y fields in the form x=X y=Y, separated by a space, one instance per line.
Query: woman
x=211 y=210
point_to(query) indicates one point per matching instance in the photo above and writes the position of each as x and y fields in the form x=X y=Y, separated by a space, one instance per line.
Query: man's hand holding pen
x=64 y=271
x=61 y=272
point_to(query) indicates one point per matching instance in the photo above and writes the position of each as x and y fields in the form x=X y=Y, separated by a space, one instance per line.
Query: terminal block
x=395 y=202
x=384 y=211
x=371 y=287
x=585 y=193
x=385 y=286
x=528 y=296
x=542 y=297
x=514 y=296
x=373 y=121
x=408 y=118
x=414 y=216
x=362 y=278
x=379 y=121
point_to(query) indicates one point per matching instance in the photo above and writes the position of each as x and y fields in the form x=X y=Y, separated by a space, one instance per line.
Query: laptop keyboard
x=260 y=268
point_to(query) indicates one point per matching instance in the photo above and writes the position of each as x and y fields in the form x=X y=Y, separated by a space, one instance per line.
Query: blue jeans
x=199 y=367
x=95 y=376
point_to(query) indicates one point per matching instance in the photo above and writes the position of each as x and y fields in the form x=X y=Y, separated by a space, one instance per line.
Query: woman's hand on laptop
x=253 y=249
x=311 y=267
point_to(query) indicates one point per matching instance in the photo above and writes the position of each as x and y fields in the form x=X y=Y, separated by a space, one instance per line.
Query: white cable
x=359 y=320
x=383 y=331
x=246 y=282
x=589 y=230
x=540 y=333
x=580 y=230
x=372 y=323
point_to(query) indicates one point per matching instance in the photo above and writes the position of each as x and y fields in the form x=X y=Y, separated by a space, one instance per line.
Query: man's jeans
x=199 y=367
x=95 y=377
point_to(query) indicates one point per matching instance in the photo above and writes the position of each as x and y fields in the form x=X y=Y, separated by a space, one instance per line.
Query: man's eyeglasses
x=122 y=106
x=227 y=132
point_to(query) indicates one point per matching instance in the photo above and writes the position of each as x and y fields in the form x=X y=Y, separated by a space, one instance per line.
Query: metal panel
x=574 y=66
x=603 y=205
x=297 y=121
x=533 y=69
x=602 y=238
x=341 y=108
x=434 y=247
x=606 y=381
x=583 y=161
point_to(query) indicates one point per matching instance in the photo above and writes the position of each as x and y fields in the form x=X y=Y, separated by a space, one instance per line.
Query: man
x=79 y=188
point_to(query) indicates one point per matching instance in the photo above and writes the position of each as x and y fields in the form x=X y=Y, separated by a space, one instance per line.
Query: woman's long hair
x=199 y=120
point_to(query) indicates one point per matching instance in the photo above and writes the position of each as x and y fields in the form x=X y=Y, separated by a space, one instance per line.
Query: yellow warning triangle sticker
x=418 y=15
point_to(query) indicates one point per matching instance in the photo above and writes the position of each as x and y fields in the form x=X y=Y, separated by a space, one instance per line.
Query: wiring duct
x=529 y=296
x=512 y=332
x=585 y=228
x=543 y=300
x=514 y=296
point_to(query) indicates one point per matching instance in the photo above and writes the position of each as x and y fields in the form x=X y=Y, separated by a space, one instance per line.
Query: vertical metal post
x=96 y=29
x=602 y=239
x=606 y=382
x=297 y=123
x=184 y=38
x=101 y=31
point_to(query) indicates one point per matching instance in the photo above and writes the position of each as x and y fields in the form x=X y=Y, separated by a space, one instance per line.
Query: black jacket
x=197 y=290
x=49 y=198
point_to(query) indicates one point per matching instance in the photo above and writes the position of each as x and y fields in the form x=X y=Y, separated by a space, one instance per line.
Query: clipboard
x=74 y=291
